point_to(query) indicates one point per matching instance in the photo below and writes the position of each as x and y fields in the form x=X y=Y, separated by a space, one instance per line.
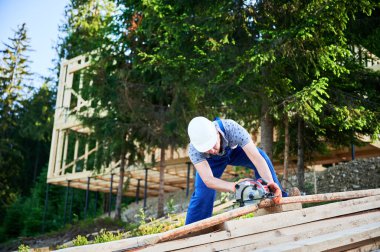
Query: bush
x=80 y=241
x=107 y=236
x=23 y=248
x=13 y=221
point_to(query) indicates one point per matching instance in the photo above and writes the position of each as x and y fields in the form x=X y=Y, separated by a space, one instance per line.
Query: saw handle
x=275 y=189
x=263 y=181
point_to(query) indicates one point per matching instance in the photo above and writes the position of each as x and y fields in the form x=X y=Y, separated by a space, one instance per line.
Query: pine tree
x=14 y=74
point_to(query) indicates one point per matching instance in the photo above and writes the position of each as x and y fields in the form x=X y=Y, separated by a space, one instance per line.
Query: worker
x=213 y=146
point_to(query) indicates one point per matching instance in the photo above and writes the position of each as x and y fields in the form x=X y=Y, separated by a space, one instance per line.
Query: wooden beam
x=330 y=196
x=221 y=218
x=259 y=240
x=330 y=241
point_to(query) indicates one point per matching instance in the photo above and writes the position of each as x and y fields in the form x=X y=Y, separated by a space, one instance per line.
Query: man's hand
x=273 y=187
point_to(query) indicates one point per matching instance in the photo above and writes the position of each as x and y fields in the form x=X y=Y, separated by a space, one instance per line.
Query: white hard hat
x=202 y=133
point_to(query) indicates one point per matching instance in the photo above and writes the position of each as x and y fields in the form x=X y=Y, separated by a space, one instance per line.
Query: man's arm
x=260 y=163
x=204 y=170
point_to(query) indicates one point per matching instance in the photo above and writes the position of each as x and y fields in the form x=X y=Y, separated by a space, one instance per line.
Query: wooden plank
x=119 y=245
x=58 y=161
x=237 y=228
x=368 y=245
x=278 y=209
x=53 y=152
x=329 y=241
x=287 y=234
x=330 y=196
x=199 y=225
x=270 y=222
x=65 y=149
x=223 y=206
x=218 y=219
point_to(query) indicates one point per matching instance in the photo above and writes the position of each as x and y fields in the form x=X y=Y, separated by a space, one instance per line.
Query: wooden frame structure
x=72 y=152
x=72 y=149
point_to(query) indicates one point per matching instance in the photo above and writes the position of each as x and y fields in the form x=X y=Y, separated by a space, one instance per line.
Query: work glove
x=275 y=189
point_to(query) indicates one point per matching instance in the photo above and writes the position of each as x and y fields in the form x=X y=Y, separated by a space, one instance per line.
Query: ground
x=53 y=239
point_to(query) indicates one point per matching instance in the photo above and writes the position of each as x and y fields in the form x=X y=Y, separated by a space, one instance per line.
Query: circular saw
x=250 y=191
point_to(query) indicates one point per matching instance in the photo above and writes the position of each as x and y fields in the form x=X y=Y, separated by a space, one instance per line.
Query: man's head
x=203 y=135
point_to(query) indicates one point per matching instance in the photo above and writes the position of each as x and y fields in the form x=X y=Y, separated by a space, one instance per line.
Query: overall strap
x=217 y=119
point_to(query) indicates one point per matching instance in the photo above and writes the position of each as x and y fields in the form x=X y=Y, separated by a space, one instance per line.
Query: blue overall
x=202 y=201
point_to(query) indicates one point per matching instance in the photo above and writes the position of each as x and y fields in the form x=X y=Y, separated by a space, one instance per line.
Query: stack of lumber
x=349 y=225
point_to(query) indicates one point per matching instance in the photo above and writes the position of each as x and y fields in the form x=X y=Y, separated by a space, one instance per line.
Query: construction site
x=349 y=222
x=192 y=126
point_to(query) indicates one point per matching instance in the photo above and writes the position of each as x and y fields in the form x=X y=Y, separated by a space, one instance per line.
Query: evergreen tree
x=35 y=125
x=14 y=73
x=85 y=27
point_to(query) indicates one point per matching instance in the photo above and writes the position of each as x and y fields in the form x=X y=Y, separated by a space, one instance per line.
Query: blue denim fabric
x=202 y=200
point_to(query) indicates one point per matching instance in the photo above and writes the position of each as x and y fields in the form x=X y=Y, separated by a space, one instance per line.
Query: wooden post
x=87 y=195
x=145 y=187
x=96 y=202
x=65 y=148
x=138 y=191
x=71 y=204
x=46 y=207
x=110 y=197
x=66 y=197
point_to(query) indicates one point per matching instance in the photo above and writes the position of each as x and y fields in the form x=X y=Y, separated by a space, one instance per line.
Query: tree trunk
x=300 y=155
x=119 y=196
x=286 y=151
x=266 y=125
x=160 y=206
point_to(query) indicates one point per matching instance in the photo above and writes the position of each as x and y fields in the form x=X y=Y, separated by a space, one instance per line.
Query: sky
x=42 y=18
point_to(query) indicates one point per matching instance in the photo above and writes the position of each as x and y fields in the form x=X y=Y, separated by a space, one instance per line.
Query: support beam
x=145 y=187
x=138 y=191
x=87 y=196
x=66 y=197
x=110 y=197
x=96 y=202
x=46 y=207
x=71 y=204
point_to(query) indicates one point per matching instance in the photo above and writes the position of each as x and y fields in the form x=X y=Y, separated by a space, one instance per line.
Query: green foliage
x=85 y=26
x=170 y=205
x=80 y=240
x=103 y=236
x=107 y=236
x=246 y=216
x=155 y=227
x=14 y=74
x=142 y=216
x=309 y=102
x=23 y=248
x=25 y=216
